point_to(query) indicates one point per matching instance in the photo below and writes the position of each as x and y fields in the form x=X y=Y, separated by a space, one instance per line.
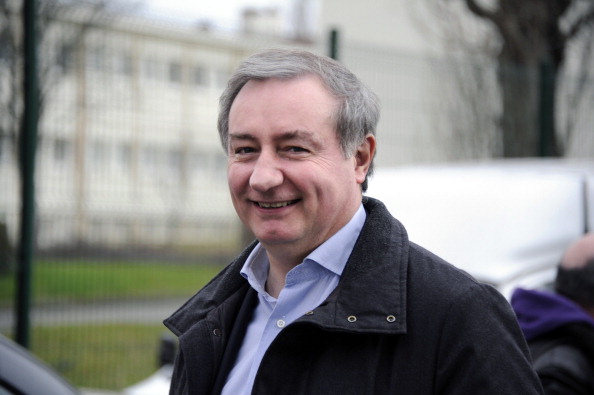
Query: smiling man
x=289 y=179
x=331 y=298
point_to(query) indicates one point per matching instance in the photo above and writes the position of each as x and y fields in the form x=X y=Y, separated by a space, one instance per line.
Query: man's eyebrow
x=296 y=134
x=303 y=135
x=290 y=135
x=241 y=136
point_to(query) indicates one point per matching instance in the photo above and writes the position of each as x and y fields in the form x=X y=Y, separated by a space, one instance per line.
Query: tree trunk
x=532 y=52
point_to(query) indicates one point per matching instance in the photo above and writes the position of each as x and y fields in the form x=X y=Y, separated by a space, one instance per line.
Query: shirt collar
x=332 y=254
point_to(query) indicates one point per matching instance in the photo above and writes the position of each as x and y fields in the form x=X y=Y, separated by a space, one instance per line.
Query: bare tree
x=529 y=42
x=51 y=63
x=534 y=37
x=58 y=47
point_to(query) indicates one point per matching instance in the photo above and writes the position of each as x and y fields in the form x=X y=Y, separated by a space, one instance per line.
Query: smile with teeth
x=276 y=204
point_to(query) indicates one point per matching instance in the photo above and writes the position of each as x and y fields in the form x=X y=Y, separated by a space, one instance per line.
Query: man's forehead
x=286 y=80
x=286 y=135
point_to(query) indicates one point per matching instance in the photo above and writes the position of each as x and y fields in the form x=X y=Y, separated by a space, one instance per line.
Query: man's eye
x=297 y=149
x=243 y=150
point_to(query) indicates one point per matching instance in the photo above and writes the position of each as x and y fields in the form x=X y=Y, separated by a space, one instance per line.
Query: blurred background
x=127 y=212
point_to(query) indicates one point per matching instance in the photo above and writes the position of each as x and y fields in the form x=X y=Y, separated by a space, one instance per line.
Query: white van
x=505 y=222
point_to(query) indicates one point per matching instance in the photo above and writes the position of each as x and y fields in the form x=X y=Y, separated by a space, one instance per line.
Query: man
x=559 y=326
x=332 y=298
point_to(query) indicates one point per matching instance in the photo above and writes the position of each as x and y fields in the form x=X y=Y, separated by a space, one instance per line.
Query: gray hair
x=358 y=110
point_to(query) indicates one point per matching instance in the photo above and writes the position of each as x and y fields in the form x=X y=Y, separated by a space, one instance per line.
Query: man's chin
x=274 y=238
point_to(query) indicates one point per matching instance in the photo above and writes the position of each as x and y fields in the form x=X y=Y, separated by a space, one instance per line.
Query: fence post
x=333 y=44
x=27 y=145
x=546 y=110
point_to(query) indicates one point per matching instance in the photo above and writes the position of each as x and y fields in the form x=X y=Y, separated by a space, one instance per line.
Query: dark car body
x=21 y=373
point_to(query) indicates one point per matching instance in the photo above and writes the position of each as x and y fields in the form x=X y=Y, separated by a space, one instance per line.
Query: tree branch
x=583 y=20
x=479 y=10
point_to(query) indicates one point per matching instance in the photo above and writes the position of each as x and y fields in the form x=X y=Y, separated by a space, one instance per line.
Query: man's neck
x=284 y=257
x=280 y=264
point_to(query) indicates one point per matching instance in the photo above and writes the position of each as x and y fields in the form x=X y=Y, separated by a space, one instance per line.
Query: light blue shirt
x=307 y=285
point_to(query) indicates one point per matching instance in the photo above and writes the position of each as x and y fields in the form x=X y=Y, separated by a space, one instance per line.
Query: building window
x=124 y=156
x=175 y=72
x=99 y=153
x=221 y=78
x=199 y=76
x=123 y=64
x=97 y=59
x=65 y=59
x=150 y=158
x=199 y=162
x=6 y=47
x=175 y=160
x=61 y=150
x=151 y=69
x=3 y=149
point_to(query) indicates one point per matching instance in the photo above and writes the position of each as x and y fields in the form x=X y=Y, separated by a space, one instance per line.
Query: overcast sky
x=224 y=13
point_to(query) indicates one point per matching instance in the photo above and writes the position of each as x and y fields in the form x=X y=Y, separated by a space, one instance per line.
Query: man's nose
x=267 y=173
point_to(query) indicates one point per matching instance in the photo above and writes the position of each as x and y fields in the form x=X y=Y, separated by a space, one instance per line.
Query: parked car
x=21 y=373
x=505 y=222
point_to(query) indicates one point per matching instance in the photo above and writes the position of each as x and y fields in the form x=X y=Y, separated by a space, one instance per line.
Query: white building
x=440 y=98
x=129 y=154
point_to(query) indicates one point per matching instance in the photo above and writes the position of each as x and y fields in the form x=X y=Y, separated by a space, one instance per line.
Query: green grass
x=96 y=280
x=109 y=357
x=105 y=356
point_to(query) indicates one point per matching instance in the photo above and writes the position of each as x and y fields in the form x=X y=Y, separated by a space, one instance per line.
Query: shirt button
x=391 y=318
x=351 y=318
x=280 y=323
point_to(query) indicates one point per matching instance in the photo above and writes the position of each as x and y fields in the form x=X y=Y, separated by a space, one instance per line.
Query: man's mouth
x=276 y=204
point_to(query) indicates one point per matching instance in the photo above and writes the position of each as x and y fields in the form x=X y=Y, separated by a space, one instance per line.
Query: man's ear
x=363 y=158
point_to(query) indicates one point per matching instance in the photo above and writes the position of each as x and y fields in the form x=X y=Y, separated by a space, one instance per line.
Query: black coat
x=420 y=327
x=564 y=359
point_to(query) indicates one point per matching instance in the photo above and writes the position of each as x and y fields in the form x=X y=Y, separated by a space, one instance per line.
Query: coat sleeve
x=564 y=369
x=482 y=349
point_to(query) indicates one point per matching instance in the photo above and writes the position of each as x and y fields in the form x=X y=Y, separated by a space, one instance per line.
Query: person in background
x=332 y=297
x=559 y=327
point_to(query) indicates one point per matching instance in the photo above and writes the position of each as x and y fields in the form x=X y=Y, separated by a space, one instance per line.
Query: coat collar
x=225 y=287
x=371 y=294
x=370 y=297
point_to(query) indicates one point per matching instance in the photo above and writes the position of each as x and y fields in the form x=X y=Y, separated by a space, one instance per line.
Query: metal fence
x=130 y=176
